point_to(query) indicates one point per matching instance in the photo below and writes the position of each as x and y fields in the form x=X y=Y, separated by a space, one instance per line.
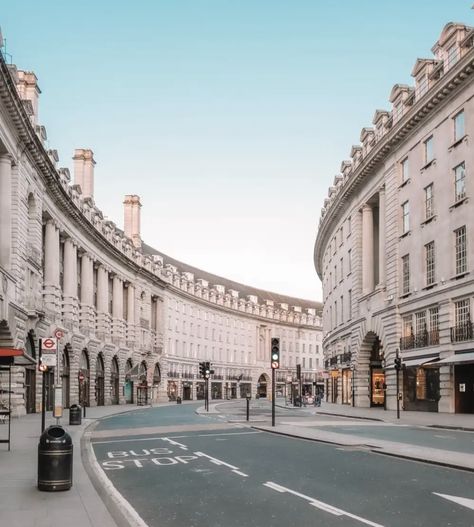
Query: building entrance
x=464 y=388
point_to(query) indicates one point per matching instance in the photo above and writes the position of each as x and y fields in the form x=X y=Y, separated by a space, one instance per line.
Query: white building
x=136 y=322
x=395 y=247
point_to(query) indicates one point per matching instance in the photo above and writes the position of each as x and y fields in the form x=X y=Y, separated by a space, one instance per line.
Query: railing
x=462 y=332
x=420 y=340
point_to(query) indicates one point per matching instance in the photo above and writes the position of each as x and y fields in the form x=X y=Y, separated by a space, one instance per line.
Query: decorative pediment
x=379 y=116
x=355 y=151
x=398 y=90
x=366 y=134
x=449 y=30
x=422 y=64
x=337 y=179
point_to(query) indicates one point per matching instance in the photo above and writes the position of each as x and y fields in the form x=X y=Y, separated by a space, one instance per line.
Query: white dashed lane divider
x=216 y=461
x=172 y=442
x=320 y=504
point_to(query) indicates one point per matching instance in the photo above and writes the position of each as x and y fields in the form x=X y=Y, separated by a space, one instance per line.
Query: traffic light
x=275 y=353
x=207 y=369
x=398 y=363
x=202 y=369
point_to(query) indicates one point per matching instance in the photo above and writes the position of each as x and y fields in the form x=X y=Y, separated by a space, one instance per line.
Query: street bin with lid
x=55 y=459
x=178 y=400
x=75 y=417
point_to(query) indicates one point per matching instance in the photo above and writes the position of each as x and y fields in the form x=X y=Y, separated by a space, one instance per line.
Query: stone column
x=87 y=321
x=70 y=307
x=131 y=316
x=102 y=300
x=5 y=211
x=51 y=268
x=382 y=209
x=117 y=307
x=367 y=250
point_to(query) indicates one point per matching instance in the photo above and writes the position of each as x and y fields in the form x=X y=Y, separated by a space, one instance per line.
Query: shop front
x=334 y=381
x=172 y=390
x=245 y=389
x=347 y=386
x=464 y=388
x=187 y=391
x=200 y=391
x=421 y=389
x=216 y=390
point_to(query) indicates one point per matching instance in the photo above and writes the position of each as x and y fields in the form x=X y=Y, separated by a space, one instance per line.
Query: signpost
x=49 y=358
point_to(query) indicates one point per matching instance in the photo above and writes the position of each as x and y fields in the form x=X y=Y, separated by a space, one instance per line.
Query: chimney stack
x=84 y=171
x=28 y=89
x=132 y=208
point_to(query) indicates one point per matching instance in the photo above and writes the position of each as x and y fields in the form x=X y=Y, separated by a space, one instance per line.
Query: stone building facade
x=395 y=246
x=134 y=322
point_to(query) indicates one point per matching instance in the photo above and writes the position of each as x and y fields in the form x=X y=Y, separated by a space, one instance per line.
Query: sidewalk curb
x=351 y=416
x=370 y=448
x=119 y=508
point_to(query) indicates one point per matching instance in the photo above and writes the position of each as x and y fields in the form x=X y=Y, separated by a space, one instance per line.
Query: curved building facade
x=133 y=323
x=395 y=246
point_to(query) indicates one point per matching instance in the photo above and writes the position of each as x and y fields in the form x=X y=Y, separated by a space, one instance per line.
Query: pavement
x=354 y=429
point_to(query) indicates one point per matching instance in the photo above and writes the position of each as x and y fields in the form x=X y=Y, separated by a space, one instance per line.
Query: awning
x=416 y=361
x=458 y=358
x=15 y=356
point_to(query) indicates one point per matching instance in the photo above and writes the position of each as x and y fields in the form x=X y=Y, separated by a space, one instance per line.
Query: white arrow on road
x=465 y=502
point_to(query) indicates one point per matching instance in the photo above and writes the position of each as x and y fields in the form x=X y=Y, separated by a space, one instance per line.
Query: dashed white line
x=172 y=442
x=240 y=473
x=215 y=460
x=320 y=504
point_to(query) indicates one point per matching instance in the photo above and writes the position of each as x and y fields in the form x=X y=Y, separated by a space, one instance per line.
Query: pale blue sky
x=228 y=118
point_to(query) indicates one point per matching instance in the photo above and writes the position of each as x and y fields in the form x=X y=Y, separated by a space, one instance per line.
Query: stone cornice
x=411 y=121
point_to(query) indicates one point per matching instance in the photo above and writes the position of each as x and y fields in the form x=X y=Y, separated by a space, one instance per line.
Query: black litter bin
x=178 y=400
x=75 y=417
x=55 y=459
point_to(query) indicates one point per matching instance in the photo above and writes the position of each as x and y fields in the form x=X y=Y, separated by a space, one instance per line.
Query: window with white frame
x=407 y=326
x=452 y=56
x=422 y=85
x=349 y=226
x=429 y=201
x=405 y=217
x=341 y=271
x=405 y=170
x=349 y=261
x=430 y=263
x=429 y=152
x=458 y=121
x=462 y=312
x=349 y=300
x=405 y=274
x=459 y=182
x=434 y=322
x=342 y=309
x=460 y=250
x=420 y=323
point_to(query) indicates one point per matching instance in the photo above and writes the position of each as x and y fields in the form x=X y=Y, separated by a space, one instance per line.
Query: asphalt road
x=208 y=474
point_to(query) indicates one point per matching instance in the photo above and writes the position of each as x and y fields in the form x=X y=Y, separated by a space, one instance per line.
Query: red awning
x=11 y=352
x=17 y=356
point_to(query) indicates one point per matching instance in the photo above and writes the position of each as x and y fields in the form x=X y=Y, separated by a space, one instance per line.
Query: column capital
x=6 y=158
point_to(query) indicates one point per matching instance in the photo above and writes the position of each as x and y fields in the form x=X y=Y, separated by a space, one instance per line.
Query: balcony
x=462 y=332
x=420 y=340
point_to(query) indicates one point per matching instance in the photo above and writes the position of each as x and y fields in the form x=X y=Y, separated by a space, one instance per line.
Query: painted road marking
x=240 y=473
x=215 y=460
x=465 y=502
x=445 y=437
x=175 y=437
x=320 y=504
x=172 y=442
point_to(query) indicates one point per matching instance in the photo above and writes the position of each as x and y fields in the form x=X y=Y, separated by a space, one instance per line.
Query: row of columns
x=84 y=312
x=5 y=211
x=369 y=264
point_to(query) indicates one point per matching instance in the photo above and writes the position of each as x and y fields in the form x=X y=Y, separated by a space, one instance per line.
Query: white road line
x=445 y=437
x=320 y=504
x=173 y=437
x=172 y=442
x=465 y=502
x=240 y=473
x=215 y=460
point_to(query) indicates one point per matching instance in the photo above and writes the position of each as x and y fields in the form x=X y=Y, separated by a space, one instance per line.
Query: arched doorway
x=84 y=379
x=30 y=376
x=128 y=386
x=65 y=379
x=142 y=388
x=156 y=381
x=262 y=383
x=99 y=381
x=114 y=381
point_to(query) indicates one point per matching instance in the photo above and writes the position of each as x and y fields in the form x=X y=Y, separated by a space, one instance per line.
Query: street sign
x=59 y=334
x=48 y=349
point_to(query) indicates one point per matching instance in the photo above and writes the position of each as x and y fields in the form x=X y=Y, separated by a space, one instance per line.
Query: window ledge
x=408 y=233
x=428 y=220
x=427 y=165
x=458 y=142
x=405 y=295
x=404 y=183
x=428 y=287
x=459 y=202
x=460 y=275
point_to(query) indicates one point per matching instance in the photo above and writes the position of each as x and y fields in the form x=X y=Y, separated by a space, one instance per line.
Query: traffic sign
x=59 y=334
x=48 y=350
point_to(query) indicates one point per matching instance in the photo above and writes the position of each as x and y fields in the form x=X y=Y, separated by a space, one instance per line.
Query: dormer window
x=422 y=86
x=398 y=111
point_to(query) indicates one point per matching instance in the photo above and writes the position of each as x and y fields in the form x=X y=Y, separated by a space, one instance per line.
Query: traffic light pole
x=273 y=396
x=398 y=387
x=207 y=394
